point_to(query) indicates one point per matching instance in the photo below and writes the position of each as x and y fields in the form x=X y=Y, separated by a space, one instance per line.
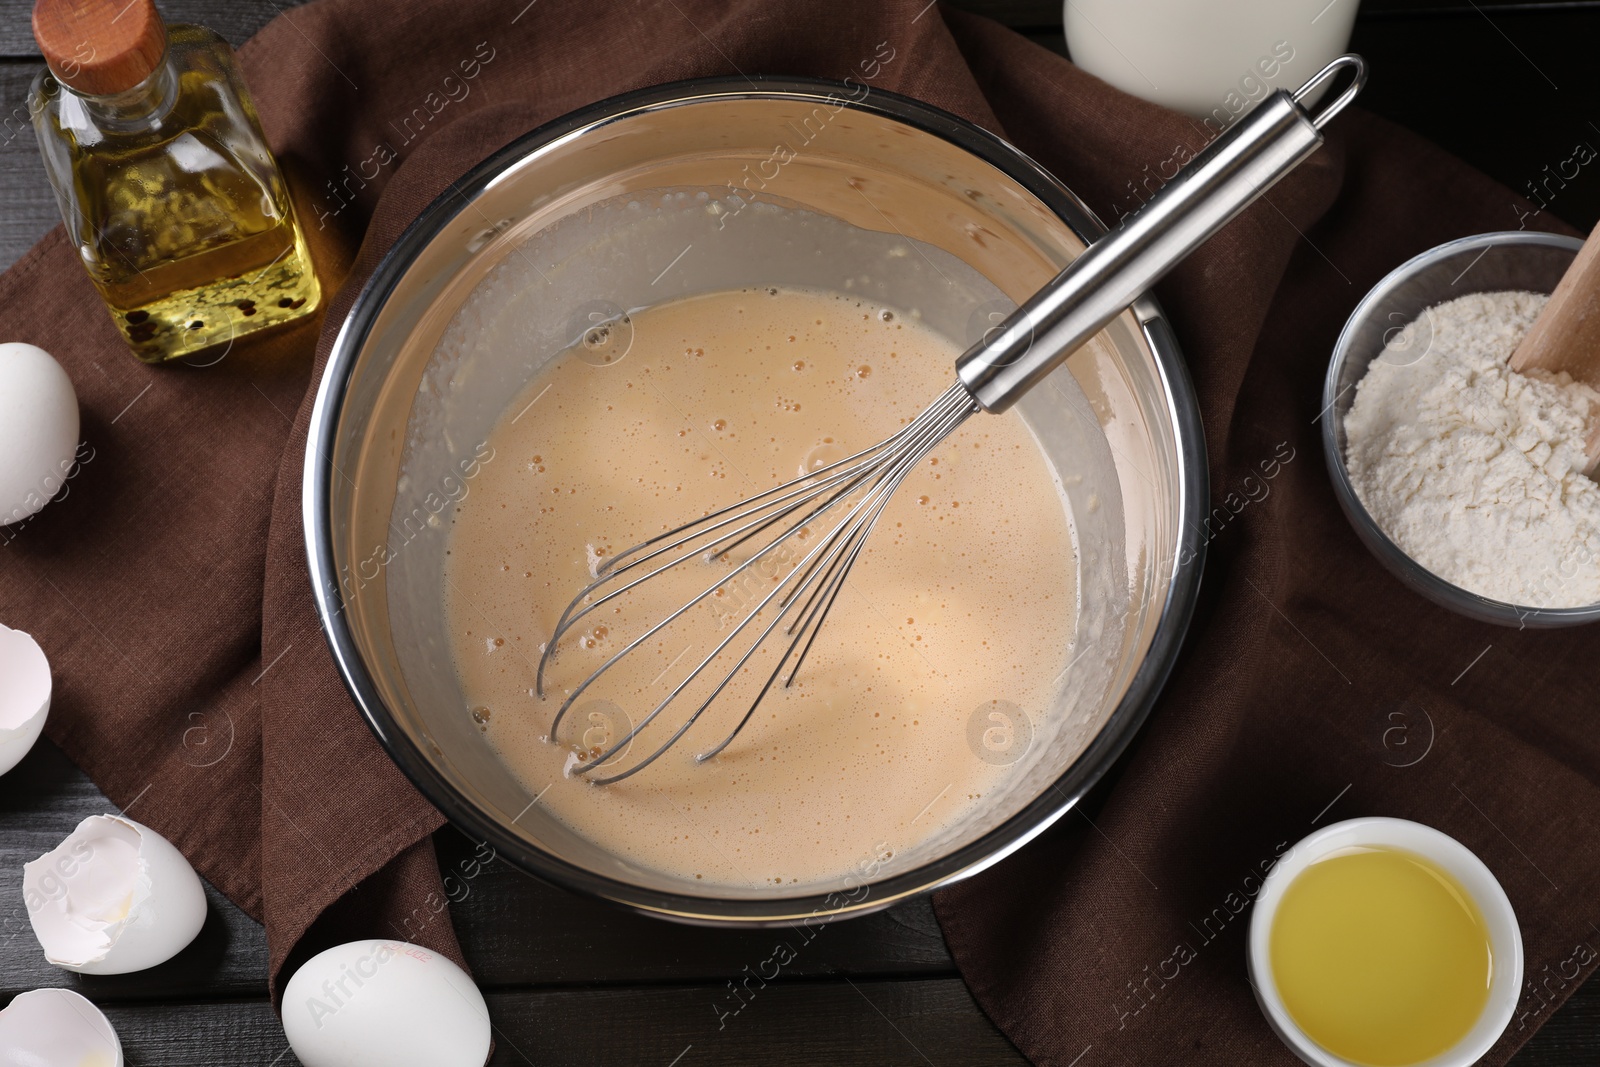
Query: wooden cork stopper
x=99 y=47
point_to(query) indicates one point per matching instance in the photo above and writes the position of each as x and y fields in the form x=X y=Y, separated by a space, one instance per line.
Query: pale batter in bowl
x=958 y=618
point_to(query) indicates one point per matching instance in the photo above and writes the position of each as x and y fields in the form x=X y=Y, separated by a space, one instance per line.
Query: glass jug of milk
x=1211 y=59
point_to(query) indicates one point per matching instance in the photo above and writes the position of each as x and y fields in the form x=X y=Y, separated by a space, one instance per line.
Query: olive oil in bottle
x=166 y=184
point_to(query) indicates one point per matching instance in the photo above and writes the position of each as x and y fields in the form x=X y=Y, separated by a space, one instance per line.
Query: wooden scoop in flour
x=1566 y=335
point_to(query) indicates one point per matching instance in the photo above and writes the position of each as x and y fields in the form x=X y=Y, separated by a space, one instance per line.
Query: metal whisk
x=844 y=500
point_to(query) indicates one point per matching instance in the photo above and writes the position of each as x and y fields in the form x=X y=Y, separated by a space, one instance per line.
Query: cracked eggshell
x=38 y=429
x=24 y=695
x=385 y=1004
x=113 y=897
x=56 y=1026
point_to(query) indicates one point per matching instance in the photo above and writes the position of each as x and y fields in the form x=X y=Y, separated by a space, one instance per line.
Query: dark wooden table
x=1510 y=87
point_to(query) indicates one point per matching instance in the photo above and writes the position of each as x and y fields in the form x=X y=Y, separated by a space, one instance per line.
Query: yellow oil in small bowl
x=1380 y=956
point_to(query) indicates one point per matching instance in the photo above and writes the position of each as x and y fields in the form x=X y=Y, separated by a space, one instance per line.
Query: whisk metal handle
x=1225 y=178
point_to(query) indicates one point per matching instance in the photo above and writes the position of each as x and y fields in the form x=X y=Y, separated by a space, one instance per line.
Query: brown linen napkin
x=169 y=587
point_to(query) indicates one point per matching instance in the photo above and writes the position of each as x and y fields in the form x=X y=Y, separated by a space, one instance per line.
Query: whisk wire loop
x=804 y=595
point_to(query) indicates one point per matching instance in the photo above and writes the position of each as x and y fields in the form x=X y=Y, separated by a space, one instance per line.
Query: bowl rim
x=1413 y=574
x=1058 y=797
x=1431 y=844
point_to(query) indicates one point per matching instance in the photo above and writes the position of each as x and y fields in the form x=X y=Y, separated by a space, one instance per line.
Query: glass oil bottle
x=166 y=184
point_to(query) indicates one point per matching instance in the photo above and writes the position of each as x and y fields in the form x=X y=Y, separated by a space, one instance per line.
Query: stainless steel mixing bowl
x=698 y=187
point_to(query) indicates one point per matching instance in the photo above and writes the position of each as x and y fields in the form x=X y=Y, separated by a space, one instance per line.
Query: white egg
x=113 y=897
x=24 y=695
x=38 y=430
x=385 y=1004
x=56 y=1028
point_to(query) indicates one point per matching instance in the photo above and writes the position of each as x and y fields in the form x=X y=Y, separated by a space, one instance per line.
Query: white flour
x=1473 y=470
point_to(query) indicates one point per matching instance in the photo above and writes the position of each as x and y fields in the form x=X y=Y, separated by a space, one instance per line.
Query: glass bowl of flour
x=1463 y=477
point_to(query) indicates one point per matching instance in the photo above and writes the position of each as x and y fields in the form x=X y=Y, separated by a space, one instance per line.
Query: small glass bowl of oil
x=1385 y=943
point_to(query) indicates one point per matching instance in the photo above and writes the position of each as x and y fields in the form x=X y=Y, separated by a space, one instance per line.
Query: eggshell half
x=56 y=1027
x=385 y=1004
x=24 y=695
x=113 y=897
x=38 y=429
